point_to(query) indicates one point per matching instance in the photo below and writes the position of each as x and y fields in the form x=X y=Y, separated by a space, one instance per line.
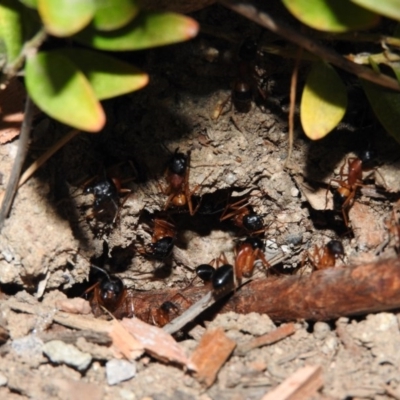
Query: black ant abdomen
x=205 y=272
x=223 y=279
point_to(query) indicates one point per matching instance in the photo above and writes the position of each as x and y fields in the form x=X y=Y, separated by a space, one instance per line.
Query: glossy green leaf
x=388 y=8
x=66 y=17
x=385 y=104
x=114 y=14
x=62 y=91
x=331 y=15
x=146 y=30
x=11 y=32
x=324 y=101
x=108 y=76
x=30 y=3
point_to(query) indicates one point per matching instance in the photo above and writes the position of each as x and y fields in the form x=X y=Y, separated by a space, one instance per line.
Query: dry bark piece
x=303 y=384
x=210 y=355
x=157 y=342
x=269 y=338
x=321 y=296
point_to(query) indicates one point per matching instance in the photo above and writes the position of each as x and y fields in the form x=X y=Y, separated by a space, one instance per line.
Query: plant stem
x=18 y=162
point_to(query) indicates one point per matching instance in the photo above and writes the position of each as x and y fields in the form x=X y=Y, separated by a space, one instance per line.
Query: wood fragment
x=269 y=338
x=76 y=305
x=124 y=342
x=301 y=385
x=157 y=342
x=211 y=354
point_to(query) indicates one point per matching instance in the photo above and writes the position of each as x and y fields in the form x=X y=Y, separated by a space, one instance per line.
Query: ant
x=110 y=293
x=222 y=278
x=326 y=256
x=106 y=194
x=245 y=87
x=162 y=241
x=162 y=315
x=244 y=217
x=247 y=253
x=344 y=194
x=177 y=176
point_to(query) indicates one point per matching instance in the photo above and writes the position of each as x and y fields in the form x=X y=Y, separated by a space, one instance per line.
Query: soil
x=53 y=234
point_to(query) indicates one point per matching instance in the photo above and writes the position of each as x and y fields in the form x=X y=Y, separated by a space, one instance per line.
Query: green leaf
x=324 y=101
x=388 y=8
x=65 y=17
x=62 y=91
x=11 y=28
x=30 y=3
x=147 y=30
x=114 y=14
x=331 y=15
x=386 y=106
x=108 y=76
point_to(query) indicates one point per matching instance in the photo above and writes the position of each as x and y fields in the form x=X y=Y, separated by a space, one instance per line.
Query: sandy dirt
x=53 y=235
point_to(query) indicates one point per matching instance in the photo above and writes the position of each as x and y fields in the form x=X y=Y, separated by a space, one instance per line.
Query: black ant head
x=248 y=50
x=162 y=248
x=178 y=163
x=168 y=306
x=255 y=242
x=223 y=278
x=103 y=189
x=335 y=247
x=205 y=272
x=111 y=288
x=253 y=222
x=368 y=158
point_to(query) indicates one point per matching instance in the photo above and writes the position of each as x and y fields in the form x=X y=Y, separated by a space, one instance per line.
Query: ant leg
x=261 y=256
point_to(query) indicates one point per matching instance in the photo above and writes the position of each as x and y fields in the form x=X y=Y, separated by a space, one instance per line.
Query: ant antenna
x=101 y=270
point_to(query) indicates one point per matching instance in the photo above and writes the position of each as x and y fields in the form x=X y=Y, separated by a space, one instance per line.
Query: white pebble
x=119 y=370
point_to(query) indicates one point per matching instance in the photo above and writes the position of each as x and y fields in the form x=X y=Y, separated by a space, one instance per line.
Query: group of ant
x=222 y=276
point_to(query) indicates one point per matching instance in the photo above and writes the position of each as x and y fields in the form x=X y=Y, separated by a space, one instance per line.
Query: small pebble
x=63 y=353
x=321 y=330
x=119 y=370
x=3 y=380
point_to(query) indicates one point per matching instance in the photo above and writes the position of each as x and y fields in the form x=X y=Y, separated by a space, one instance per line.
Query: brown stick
x=323 y=295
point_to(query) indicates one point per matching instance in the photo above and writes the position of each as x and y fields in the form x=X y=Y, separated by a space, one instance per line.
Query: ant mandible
x=326 y=256
x=247 y=253
x=244 y=217
x=177 y=176
x=110 y=293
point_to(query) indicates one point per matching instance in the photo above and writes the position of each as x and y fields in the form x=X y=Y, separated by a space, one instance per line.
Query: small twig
x=18 y=162
x=329 y=55
x=269 y=338
x=293 y=87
